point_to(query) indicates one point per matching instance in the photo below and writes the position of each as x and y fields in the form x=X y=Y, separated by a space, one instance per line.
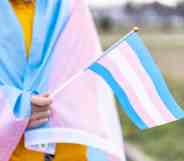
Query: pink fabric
x=78 y=115
x=73 y=53
x=76 y=48
x=79 y=110
x=11 y=129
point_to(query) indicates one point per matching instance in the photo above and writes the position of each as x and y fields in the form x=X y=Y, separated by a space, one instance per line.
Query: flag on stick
x=130 y=71
x=137 y=83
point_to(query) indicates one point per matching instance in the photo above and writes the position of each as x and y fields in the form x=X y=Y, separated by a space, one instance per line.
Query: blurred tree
x=180 y=8
x=105 y=24
x=129 y=8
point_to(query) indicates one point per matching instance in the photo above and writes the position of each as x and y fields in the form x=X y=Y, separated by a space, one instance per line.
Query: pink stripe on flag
x=131 y=57
x=137 y=104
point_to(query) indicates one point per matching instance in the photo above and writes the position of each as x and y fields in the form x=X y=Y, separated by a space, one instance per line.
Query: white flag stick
x=58 y=90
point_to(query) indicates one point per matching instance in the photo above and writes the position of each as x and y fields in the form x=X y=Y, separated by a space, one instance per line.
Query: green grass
x=165 y=143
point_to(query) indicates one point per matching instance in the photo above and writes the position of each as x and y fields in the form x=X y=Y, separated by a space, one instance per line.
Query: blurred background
x=162 y=28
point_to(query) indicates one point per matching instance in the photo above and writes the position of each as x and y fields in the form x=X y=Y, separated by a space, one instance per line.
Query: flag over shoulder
x=138 y=84
x=59 y=50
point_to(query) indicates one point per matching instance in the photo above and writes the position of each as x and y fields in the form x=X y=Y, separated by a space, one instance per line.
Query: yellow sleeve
x=25 y=14
x=71 y=152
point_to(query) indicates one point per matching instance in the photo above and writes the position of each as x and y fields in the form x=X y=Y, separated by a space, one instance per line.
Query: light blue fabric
x=20 y=78
x=96 y=155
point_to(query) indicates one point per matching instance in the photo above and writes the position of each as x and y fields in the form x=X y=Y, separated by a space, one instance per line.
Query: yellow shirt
x=64 y=152
x=25 y=14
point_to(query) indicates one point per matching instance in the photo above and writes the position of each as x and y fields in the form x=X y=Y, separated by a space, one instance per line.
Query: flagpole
x=75 y=76
x=135 y=29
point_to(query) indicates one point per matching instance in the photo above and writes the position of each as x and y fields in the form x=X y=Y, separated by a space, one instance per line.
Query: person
x=25 y=10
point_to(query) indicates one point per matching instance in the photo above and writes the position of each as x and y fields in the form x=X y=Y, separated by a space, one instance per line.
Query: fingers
x=37 y=123
x=39 y=118
x=45 y=94
x=41 y=100
x=36 y=109
x=40 y=115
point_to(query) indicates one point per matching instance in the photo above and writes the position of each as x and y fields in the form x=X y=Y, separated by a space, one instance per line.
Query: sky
x=102 y=3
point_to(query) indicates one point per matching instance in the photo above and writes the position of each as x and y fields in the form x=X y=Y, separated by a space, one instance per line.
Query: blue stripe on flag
x=118 y=91
x=96 y=155
x=147 y=61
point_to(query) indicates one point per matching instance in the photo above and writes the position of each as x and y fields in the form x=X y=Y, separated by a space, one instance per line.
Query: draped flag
x=59 y=50
x=136 y=81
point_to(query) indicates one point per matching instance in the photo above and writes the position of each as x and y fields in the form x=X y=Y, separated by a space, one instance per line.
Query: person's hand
x=41 y=105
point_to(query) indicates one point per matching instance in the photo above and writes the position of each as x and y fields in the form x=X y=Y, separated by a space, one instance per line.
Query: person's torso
x=25 y=12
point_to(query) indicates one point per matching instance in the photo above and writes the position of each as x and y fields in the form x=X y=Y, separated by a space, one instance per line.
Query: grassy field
x=164 y=143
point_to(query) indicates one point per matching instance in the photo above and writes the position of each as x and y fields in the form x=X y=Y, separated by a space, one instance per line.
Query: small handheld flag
x=130 y=71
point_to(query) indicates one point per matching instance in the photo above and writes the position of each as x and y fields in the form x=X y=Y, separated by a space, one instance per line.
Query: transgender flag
x=130 y=71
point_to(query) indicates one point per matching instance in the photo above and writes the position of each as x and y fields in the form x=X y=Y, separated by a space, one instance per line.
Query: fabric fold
x=64 y=42
x=70 y=121
x=11 y=127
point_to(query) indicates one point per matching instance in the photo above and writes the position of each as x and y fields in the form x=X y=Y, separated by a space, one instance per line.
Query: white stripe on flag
x=127 y=71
